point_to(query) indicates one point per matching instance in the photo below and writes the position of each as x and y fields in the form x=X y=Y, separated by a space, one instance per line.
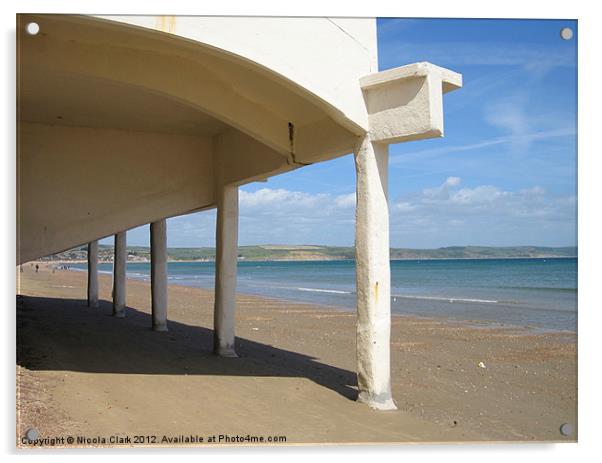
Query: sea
x=540 y=294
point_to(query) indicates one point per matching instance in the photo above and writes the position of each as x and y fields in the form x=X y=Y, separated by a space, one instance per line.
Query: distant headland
x=317 y=252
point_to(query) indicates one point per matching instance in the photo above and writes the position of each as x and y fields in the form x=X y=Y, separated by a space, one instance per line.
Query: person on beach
x=37 y=268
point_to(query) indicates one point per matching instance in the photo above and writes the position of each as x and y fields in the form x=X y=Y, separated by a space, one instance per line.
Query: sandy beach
x=82 y=372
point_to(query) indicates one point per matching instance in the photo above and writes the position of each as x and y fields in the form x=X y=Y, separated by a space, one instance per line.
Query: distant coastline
x=539 y=292
x=282 y=253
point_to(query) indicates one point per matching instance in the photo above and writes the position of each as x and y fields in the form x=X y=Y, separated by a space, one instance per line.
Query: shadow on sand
x=64 y=334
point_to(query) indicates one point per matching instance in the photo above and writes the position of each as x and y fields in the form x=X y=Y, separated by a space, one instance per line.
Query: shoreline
x=440 y=300
x=395 y=259
x=300 y=356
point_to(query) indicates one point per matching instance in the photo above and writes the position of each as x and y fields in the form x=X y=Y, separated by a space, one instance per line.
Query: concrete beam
x=93 y=274
x=125 y=183
x=373 y=278
x=450 y=80
x=226 y=259
x=119 y=264
x=403 y=104
x=406 y=103
x=158 y=237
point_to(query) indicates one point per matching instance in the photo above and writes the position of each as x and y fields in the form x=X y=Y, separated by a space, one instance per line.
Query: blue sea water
x=539 y=293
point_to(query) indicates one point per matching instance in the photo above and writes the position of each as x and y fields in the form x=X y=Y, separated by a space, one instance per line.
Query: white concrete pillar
x=158 y=237
x=93 y=274
x=119 y=263
x=373 y=276
x=226 y=259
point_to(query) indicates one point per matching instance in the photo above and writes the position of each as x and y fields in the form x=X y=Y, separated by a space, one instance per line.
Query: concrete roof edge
x=451 y=80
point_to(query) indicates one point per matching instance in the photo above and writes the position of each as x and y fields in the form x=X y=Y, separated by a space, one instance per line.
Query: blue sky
x=503 y=175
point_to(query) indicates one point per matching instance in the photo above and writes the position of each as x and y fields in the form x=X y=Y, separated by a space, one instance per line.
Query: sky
x=503 y=175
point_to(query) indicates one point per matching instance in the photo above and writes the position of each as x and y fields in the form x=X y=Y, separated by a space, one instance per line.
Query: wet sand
x=82 y=372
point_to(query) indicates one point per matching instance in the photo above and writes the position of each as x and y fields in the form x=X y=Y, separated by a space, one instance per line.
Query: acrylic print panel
x=275 y=231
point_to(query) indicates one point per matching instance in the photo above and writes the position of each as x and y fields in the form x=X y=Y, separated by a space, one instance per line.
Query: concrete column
x=373 y=276
x=158 y=237
x=93 y=274
x=226 y=258
x=119 y=263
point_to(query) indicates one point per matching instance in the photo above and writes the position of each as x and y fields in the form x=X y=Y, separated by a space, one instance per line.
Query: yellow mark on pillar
x=166 y=23
x=376 y=292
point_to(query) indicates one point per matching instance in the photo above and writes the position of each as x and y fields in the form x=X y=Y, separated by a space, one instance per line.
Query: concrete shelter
x=129 y=120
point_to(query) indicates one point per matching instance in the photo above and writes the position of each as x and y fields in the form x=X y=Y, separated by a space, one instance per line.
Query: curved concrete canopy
x=75 y=61
x=120 y=125
x=82 y=101
x=326 y=56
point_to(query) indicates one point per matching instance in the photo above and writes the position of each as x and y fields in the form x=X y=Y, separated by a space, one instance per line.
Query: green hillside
x=312 y=252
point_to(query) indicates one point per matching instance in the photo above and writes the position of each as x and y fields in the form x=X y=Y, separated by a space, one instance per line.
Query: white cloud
x=483 y=214
x=453 y=181
x=511 y=117
x=345 y=201
x=278 y=198
x=450 y=213
x=441 y=191
x=282 y=198
x=509 y=114
x=440 y=215
x=294 y=217
x=479 y=195
x=402 y=207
